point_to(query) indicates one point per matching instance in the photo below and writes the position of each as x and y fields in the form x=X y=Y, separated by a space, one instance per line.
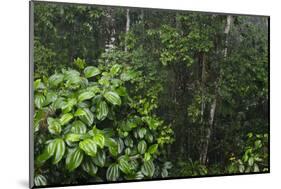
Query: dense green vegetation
x=128 y=94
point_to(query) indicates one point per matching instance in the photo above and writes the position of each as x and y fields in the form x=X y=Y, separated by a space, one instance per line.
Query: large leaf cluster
x=85 y=121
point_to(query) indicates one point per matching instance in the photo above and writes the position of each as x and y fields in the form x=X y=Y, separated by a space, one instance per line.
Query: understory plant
x=88 y=128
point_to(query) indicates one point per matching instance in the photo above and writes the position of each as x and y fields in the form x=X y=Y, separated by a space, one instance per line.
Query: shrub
x=87 y=127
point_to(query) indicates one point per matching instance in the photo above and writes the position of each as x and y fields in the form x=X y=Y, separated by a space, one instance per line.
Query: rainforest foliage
x=129 y=94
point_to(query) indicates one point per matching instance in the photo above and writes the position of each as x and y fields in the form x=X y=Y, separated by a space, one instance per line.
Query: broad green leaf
x=47 y=153
x=87 y=117
x=135 y=176
x=85 y=96
x=120 y=145
x=56 y=79
x=142 y=132
x=113 y=98
x=104 y=81
x=59 y=150
x=149 y=138
x=50 y=97
x=251 y=161
x=54 y=126
x=124 y=165
x=72 y=78
x=147 y=156
x=72 y=137
x=100 y=158
x=78 y=127
x=59 y=103
x=99 y=140
x=40 y=180
x=90 y=167
x=91 y=71
x=127 y=151
x=68 y=105
x=95 y=89
x=102 y=110
x=148 y=168
x=74 y=159
x=142 y=147
x=115 y=69
x=164 y=173
x=112 y=146
x=80 y=112
x=65 y=118
x=38 y=84
x=89 y=147
x=153 y=148
x=39 y=100
x=112 y=173
x=129 y=142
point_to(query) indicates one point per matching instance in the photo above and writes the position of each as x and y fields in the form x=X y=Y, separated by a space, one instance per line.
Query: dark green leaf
x=90 y=167
x=89 y=147
x=153 y=148
x=40 y=180
x=87 y=117
x=99 y=160
x=59 y=150
x=112 y=146
x=142 y=147
x=102 y=110
x=72 y=137
x=65 y=118
x=124 y=165
x=56 y=79
x=54 y=126
x=148 y=168
x=142 y=132
x=74 y=159
x=112 y=173
x=99 y=140
x=85 y=96
x=113 y=98
x=91 y=71
x=78 y=127
x=39 y=100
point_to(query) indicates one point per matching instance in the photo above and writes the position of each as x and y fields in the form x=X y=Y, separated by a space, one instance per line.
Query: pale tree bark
x=127 y=25
x=209 y=129
x=142 y=15
x=203 y=76
x=111 y=30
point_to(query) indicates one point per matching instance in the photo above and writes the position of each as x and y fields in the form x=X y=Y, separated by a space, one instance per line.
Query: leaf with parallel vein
x=102 y=110
x=91 y=71
x=112 y=173
x=74 y=159
x=89 y=146
x=113 y=98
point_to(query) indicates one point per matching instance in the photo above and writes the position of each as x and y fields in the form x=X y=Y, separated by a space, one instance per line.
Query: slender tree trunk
x=127 y=25
x=209 y=129
x=111 y=30
x=203 y=76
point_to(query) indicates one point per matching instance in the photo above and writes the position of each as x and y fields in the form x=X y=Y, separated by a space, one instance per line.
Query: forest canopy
x=132 y=94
